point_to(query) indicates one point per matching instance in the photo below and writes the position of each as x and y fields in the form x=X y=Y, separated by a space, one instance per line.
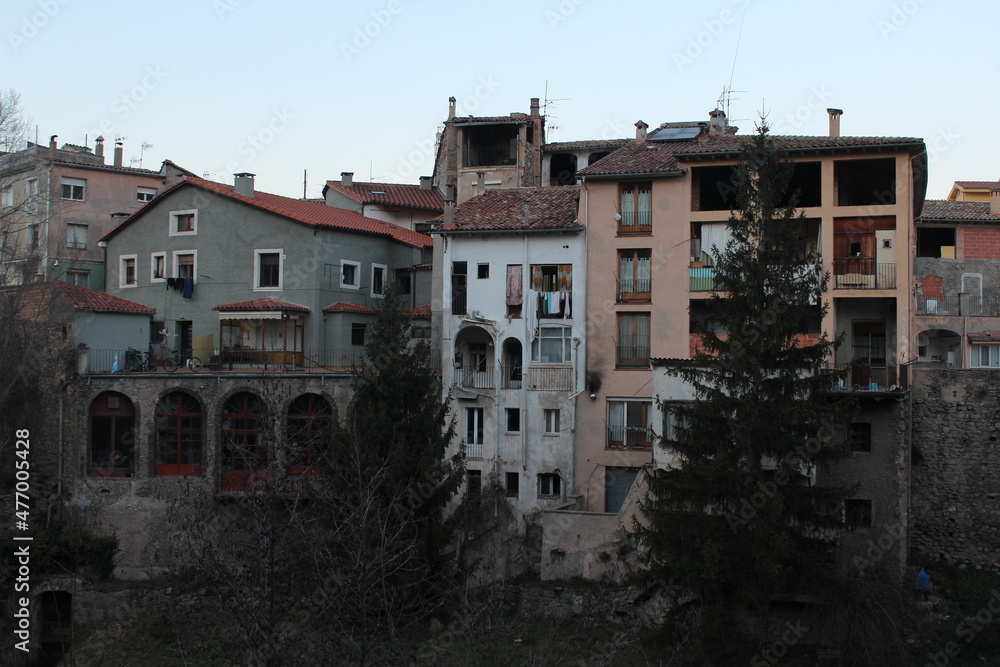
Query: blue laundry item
x=188 y=288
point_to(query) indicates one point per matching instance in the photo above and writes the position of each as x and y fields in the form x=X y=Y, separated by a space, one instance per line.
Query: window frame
x=73 y=184
x=72 y=240
x=509 y=415
x=122 y=421
x=550 y=419
x=634 y=360
x=176 y=258
x=144 y=194
x=258 y=273
x=992 y=352
x=565 y=344
x=635 y=222
x=123 y=271
x=162 y=256
x=483 y=271
x=242 y=429
x=77 y=273
x=636 y=294
x=628 y=429
x=183 y=423
x=315 y=420
x=376 y=270
x=861 y=437
x=357 y=274
x=174 y=218
x=549 y=485
x=858 y=513
x=7 y=196
x=512 y=484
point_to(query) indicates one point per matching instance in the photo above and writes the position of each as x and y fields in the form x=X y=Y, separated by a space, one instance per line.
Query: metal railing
x=94 y=361
x=474 y=450
x=634 y=289
x=474 y=379
x=511 y=377
x=861 y=377
x=631 y=355
x=629 y=437
x=983 y=306
x=702 y=279
x=485 y=156
x=863 y=273
x=636 y=222
x=550 y=378
x=939 y=305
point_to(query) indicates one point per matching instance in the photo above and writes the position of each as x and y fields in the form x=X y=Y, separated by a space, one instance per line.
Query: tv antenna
x=725 y=99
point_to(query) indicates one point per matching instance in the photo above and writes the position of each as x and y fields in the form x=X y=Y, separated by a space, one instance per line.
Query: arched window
x=244 y=453
x=112 y=436
x=178 y=435
x=309 y=422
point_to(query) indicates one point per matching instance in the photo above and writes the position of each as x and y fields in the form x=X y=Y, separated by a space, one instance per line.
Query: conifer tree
x=741 y=518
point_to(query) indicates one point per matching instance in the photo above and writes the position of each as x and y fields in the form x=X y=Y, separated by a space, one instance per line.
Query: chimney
x=52 y=146
x=347 y=178
x=834 y=121
x=243 y=183
x=480 y=183
x=99 y=147
x=449 y=213
x=425 y=183
x=717 y=121
x=534 y=107
x=451 y=107
x=119 y=151
x=995 y=202
x=640 y=130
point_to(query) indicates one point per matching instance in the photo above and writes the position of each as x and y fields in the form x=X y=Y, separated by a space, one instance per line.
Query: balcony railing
x=939 y=305
x=636 y=222
x=474 y=379
x=626 y=437
x=485 y=156
x=458 y=302
x=318 y=360
x=864 y=378
x=970 y=305
x=550 y=378
x=633 y=289
x=702 y=279
x=863 y=273
x=983 y=306
x=474 y=450
x=632 y=355
x=511 y=377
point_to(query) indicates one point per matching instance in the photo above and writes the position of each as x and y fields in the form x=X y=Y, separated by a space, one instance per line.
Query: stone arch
x=111 y=435
x=309 y=422
x=179 y=434
x=243 y=427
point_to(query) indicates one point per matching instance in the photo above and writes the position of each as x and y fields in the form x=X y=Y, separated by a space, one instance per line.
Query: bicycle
x=138 y=360
x=175 y=361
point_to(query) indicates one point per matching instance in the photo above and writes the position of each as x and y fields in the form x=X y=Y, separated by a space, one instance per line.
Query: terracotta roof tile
x=392 y=194
x=730 y=144
x=638 y=157
x=978 y=185
x=422 y=311
x=262 y=304
x=38 y=300
x=985 y=337
x=310 y=213
x=515 y=209
x=579 y=145
x=477 y=120
x=343 y=307
x=957 y=211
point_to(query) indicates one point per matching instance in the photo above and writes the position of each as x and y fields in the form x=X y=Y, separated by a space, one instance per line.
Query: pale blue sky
x=222 y=86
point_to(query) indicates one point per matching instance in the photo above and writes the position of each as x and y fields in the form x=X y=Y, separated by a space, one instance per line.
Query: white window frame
x=73 y=183
x=257 y=287
x=550 y=418
x=357 y=274
x=76 y=227
x=144 y=194
x=121 y=271
x=385 y=278
x=475 y=424
x=506 y=420
x=565 y=344
x=175 y=217
x=546 y=479
x=176 y=263
x=7 y=196
x=152 y=267
x=992 y=351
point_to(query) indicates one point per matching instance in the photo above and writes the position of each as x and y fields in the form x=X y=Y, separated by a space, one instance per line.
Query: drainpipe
x=59 y=476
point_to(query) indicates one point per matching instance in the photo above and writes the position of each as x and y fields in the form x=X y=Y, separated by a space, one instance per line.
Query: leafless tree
x=15 y=125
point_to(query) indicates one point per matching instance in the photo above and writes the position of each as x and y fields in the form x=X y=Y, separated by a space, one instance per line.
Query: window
x=554 y=282
x=378 y=279
x=185 y=264
x=634 y=279
x=617 y=484
x=183 y=223
x=126 y=271
x=267 y=269
x=349 y=272
x=549 y=485
x=630 y=423
x=857 y=513
x=986 y=355
x=551 y=422
x=512 y=484
x=474 y=432
x=358 y=333
x=403 y=281
x=112 y=436
x=310 y=422
x=673 y=423
x=515 y=290
x=31 y=197
x=861 y=437
x=420 y=331
x=632 y=347
x=7 y=196
x=474 y=479
x=76 y=235
x=244 y=455
x=637 y=210
x=145 y=194
x=74 y=188
x=33 y=236
x=78 y=278
x=459 y=287
x=158 y=267
x=513 y=420
x=553 y=345
x=483 y=271
x=178 y=435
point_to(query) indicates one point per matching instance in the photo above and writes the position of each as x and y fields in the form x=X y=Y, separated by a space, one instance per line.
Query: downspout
x=59 y=476
x=524 y=366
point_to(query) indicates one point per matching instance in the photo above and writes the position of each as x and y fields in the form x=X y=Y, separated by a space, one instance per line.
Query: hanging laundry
x=188 y=288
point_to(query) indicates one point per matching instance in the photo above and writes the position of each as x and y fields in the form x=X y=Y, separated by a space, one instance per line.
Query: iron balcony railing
x=634 y=289
x=631 y=355
x=636 y=222
x=319 y=360
x=474 y=379
x=511 y=376
x=625 y=437
x=485 y=156
x=474 y=450
x=861 y=377
x=550 y=378
x=863 y=273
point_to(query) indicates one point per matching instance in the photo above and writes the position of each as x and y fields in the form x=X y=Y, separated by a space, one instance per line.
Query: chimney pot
x=449 y=213
x=534 y=107
x=451 y=107
x=717 y=123
x=99 y=147
x=243 y=184
x=425 y=183
x=835 y=121
x=52 y=146
x=119 y=153
x=640 y=130
x=347 y=178
x=995 y=202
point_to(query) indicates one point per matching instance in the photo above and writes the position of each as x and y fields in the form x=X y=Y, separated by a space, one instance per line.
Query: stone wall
x=955 y=494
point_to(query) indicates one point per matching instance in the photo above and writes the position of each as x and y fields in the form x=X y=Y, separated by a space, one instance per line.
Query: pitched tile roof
x=421 y=311
x=552 y=208
x=343 y=307
x=392 y=194
x=638 y=157
x=957 y=211
x=485 y=120
x=984 y=337
x=39 y=297
x=721 y=144
x=262 y=304
x=978 y=185
x=579 y=145
x=310 y=213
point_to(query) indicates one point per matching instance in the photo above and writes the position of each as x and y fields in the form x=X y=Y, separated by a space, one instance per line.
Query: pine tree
x=740 y=518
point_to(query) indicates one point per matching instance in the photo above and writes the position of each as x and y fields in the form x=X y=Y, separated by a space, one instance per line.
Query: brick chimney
x=640 y=130
x=995 y=202
x=52 y=146
x=347 y=178
x=119 y=152
x=835 y=121
x=243 y=183
x=99 y=147
x=480 y=183
x=449 y=205
x=717 y=122
x=451 y=107
x=534 y=107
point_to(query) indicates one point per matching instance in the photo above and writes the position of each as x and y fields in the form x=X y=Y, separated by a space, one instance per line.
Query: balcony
x=702 y=279
x=634 y=290
x=635 y=222
x=474 y=450
x=550 y=378
x=511 y=377
x=489 y=156
x=474 y=379
x=863 y=273
x=629 y=437
x=311 y=360
x=966 y=305
x=631 y=355
x=867 y=379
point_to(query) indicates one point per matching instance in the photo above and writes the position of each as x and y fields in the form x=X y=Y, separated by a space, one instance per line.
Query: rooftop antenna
x=547 y=102
x=142 y=149
x=726 y=98
x=305 y=173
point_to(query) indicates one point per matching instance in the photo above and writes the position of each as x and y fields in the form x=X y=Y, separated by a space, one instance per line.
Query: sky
x=299 y=91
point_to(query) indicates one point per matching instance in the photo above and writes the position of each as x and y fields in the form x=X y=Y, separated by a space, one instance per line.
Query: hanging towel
x=114 y=363
x=188 y=288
